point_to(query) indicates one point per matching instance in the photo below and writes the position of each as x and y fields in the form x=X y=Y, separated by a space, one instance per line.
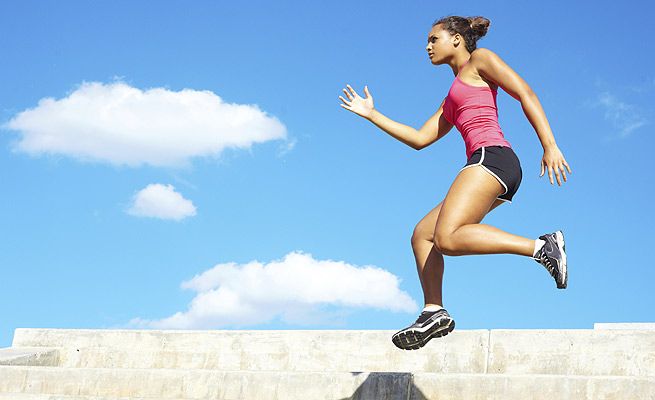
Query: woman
x=490 y=177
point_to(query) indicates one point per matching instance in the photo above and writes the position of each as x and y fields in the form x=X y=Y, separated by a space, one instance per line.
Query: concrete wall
x=327 y=364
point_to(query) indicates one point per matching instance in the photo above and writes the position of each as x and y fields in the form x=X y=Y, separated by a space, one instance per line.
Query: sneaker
x=552 y=255
x=428 y=325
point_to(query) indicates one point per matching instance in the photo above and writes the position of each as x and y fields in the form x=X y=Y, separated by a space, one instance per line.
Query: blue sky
x=234 y=192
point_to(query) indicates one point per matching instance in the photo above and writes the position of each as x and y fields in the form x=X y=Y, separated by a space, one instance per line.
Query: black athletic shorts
x=501 y=162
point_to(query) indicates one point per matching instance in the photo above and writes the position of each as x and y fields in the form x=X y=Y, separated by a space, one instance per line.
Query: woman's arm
x=491 y=67
x=402 y=132
x=434 y=129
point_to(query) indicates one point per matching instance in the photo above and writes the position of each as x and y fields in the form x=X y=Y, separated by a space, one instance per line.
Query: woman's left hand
x=554 y=160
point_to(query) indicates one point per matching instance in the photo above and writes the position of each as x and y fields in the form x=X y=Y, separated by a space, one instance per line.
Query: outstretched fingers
x=557 y=170
x=554 y=162
x=557 y=175
x=355 y=103
x=347 y=104
x=352 y=91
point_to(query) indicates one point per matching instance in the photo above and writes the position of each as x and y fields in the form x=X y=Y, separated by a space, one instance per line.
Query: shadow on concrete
x=387 y=386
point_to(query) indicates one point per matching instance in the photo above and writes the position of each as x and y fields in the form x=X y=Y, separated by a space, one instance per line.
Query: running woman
x=491 y=176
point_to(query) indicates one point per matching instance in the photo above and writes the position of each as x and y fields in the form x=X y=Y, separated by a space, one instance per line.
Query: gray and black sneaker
x=552 y=255
x=428 y=325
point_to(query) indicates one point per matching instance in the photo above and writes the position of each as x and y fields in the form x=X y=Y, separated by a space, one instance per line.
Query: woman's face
x=439 y=45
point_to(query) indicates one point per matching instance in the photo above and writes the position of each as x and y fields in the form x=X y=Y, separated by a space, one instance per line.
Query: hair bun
x=479 y=24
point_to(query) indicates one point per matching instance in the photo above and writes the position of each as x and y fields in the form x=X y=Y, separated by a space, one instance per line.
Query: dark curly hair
x=471 y=28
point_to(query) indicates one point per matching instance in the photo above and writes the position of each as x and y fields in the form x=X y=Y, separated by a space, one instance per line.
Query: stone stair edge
x=183 y=371
x=46 y=396
x=225 y=330
x=190 y=331
x=30 y=355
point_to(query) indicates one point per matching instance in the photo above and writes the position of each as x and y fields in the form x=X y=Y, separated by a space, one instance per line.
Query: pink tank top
x=473 y=110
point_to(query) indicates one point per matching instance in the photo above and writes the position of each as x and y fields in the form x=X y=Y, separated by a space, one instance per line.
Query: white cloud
x=123 y=125
x=292 y=289
x=161 y=201
x=623 y=116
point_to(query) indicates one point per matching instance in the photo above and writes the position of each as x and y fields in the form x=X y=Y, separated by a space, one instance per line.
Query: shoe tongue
x=425 y=315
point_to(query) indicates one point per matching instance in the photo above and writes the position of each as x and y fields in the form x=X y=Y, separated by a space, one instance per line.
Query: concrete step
x=41 y=396
x=572 y=352
x=536 y=387
x=244 y=385
x=642 y=326
x=317 y=350
x=202 y=384
x=557 y=352
x=29 y=356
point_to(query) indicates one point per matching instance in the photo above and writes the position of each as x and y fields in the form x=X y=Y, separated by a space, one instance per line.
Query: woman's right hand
x=360 y=106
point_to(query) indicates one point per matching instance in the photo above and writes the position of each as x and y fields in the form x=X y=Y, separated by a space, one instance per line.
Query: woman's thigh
x=425 y=228
x=471 y=196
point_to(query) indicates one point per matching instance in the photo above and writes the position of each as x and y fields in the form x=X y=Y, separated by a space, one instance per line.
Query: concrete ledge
x=204 y=384
x=534 y=387
x=556 y=352
x=642 y=326
x=248 y=385
x=572 y=352
x=32 y=396
x=35 y=356
x=70 y=364
x=290 y=350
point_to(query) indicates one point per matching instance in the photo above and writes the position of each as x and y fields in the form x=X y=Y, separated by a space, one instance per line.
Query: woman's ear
x=455 y=39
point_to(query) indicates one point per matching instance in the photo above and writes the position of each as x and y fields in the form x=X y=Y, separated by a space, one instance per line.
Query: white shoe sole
x=559 y=235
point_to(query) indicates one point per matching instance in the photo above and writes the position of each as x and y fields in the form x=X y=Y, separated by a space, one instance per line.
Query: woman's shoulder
x=480 y=59
x=481 y=54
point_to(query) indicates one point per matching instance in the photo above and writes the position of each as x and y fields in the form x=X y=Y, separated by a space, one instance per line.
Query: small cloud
x=161 y=201
x=286 y=147
x=123 y=125
x=624 y=117
x=292 y=289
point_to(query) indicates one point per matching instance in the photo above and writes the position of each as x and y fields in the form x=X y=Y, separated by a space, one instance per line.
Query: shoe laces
x=424 y=316
x=545 y=261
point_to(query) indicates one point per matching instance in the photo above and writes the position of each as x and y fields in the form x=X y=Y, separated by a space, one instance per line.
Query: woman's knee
x=424 y=230
x=443 y=243
x=421 y=234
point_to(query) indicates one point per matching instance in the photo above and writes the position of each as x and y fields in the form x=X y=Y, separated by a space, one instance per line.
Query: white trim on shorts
x=489 y=171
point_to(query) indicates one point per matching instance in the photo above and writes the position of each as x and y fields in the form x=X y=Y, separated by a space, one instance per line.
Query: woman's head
x=453 y=34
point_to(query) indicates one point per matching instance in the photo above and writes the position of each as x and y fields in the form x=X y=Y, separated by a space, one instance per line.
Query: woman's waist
x=487 y=133
x=488 y=139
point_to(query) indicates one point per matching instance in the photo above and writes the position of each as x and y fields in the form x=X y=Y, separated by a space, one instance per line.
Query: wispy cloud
x=161 y=201
x=625 y=118
x=286 y=147
x=123 y=125
x=646 y=86
x=291 y=289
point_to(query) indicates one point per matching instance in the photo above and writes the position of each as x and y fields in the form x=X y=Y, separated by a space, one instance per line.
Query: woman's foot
x=428 y=325
x=552 y=255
